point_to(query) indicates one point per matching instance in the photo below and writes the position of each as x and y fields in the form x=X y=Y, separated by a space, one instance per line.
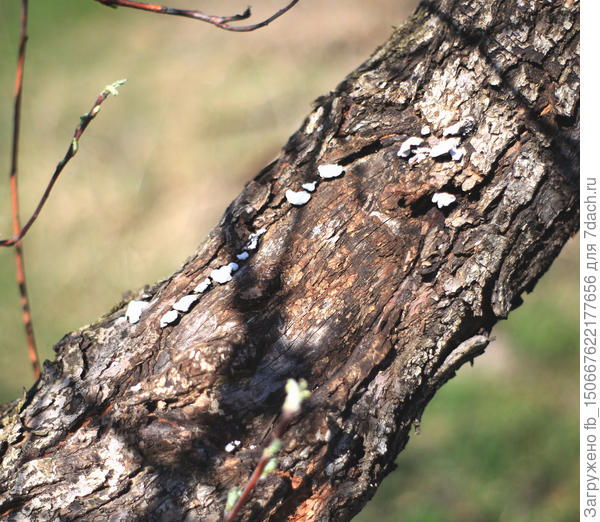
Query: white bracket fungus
x=409 y=144
x=444 y=147
x=185 y=303
x=423 y=150
x=443 y=199
x=222 y=274
x=203 y=286
x=330 y=171
x=310 y=186
x=232 y=445
x=253 y=239
x=460 y=128
x=297 y=198
x=457 y=154
x=421 y=153
x=134 y=310
x=168 y=318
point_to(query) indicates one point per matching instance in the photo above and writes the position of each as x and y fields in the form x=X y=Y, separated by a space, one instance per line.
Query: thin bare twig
x=71 y=151
x=222 y=22
x=14 y=199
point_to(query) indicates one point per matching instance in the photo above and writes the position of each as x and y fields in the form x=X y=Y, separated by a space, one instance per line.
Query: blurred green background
x=203 y=111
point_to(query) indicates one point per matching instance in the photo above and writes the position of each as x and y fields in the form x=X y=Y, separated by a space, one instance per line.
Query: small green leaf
x=112 y=88
x=75 y=145
x=232 y=497
x=296 y=393
x=273 y=448
x=270 y=466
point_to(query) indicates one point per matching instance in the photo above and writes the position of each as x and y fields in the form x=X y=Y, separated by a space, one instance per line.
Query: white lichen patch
x=232 y=445
x=311 y=187
x=137 y=387
x=222 y=274
x=185 y=303
x=330 y=171
x=297 y=198
x=394 y=225
x=408 y=145
x=34 y=473
x=134 y=310
x=118 y=457
x=242 y=256
x=426 y=131
x=168 y=318
x=203 y=286
x=443 y=199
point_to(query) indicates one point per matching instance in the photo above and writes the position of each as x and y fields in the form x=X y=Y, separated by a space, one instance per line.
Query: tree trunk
x=370 y=291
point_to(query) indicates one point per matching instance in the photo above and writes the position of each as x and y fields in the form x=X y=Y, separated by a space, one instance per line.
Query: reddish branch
x=296 y=394
x=71 y=151
x=14 y=197
x=222 y=22
x=18 y=232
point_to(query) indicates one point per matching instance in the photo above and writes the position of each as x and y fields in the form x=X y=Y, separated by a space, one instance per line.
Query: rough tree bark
x=369 y=291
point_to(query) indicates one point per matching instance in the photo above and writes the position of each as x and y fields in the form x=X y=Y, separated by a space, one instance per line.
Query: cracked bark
x=369 y=291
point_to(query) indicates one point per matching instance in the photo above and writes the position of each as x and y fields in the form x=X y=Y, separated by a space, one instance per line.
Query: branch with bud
x=222 y=22
x=296 y=393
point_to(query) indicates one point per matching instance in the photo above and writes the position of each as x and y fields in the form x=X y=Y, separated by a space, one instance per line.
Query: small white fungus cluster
x=443 y=199
x=449 y=146
x=297 y=198
x=170 y=317
x=224 y=273
x=460 y=128
x=302 y=197
x=407 y=147
x=253 y=238
x=330 y=171
x=416 y=150
x=185 y=303
x=229 y=447
x=202 y=286
x=134 y=310
x=221 y=275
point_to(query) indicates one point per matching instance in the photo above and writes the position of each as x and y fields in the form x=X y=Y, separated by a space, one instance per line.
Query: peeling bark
x=369 y=290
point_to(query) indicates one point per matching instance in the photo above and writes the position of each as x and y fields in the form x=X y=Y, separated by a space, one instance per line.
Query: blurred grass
x=203 y=111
